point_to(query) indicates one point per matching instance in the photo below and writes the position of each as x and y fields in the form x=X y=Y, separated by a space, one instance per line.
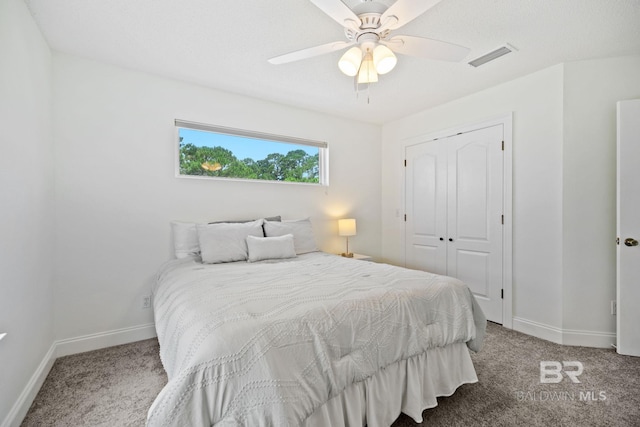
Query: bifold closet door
x=454 y=206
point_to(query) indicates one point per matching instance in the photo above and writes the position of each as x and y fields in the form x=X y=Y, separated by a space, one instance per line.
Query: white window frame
x=323 y=151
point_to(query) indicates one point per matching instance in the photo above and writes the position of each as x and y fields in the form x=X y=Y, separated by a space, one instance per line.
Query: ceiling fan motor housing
x=368 y=29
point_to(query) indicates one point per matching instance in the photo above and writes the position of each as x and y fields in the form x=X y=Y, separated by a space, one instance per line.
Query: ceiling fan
x=368 y=30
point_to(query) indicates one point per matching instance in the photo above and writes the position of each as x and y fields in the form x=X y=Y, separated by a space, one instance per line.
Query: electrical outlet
x=614 y=307
x=146 y=301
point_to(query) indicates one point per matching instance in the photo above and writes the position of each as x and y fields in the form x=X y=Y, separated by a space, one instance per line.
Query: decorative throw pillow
x=261 y=248
x=301 y=229
x=226 y=242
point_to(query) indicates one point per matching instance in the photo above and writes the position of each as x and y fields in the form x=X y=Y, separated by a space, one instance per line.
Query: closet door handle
x=441 y=239
x=450 y=239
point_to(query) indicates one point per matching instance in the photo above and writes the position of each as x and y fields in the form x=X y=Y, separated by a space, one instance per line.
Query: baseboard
x=589 y=338
x=21 y=407
x=539 y=330
x=564 y=336
x=67 y=347
x=104 y=339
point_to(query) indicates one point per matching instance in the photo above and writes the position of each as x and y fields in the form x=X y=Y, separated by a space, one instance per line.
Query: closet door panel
x=474 y=215
x=473 y=268
x=425 y=197
x=470 y=186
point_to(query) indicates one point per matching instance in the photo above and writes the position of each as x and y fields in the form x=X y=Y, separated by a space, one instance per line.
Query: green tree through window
x=207 y=153
x=295 y=166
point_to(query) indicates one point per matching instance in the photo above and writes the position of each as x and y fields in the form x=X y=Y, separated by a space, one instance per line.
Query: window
x=206 y=151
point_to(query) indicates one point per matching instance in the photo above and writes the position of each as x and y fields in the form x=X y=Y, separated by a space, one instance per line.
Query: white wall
x=116 y=190
x=563 y=190
x=26 y=204
x=536 y=103
x=591 y=90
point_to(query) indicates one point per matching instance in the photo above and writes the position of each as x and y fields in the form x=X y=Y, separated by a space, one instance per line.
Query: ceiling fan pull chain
x=356 y=87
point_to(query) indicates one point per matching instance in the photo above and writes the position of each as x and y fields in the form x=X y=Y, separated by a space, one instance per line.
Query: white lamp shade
x=347 y=227
x=367 y=73
x=384 y=59
x=349 y=63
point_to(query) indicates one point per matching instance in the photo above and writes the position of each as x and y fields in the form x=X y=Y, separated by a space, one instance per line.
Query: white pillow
x=185 y=239
x=261 y=248
x=185 y=236
x=226 y=242
x=301 y=229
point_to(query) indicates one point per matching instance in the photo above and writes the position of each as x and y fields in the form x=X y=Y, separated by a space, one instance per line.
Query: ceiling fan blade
x=427 y=48
x=405 y=11
x=339 y=12
x=309 y=52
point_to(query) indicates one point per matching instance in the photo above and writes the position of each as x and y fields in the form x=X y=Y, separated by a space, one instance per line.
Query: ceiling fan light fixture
x=384 y=59
x=368 y=27
x=350 y=62
x=367 y=72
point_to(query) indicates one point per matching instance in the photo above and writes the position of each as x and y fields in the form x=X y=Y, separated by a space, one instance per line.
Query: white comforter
x=264 y=344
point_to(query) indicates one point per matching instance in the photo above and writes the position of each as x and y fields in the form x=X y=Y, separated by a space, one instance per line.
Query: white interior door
x=628 y=228
x=426 y=207
x=454 y=207
x=475 y=188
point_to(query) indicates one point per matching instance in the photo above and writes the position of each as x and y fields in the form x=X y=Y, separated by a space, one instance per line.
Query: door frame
x=506 y=120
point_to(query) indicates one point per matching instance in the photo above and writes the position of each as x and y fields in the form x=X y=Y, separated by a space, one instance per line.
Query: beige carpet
x=115 y=387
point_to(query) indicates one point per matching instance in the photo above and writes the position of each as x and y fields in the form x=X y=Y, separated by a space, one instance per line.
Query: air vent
x=494 y=54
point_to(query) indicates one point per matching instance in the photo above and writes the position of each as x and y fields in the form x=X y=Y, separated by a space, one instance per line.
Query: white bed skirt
x=408 y=386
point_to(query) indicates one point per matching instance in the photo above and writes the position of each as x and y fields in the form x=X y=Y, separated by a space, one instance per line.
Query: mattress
x=290 y=342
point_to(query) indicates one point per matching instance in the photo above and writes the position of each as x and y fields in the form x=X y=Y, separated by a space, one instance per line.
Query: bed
x=305 y=337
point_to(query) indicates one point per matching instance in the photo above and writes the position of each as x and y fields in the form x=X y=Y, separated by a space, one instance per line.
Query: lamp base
x=347 y=254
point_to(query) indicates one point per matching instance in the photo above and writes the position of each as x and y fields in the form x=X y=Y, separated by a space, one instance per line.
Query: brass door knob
x=630 y=242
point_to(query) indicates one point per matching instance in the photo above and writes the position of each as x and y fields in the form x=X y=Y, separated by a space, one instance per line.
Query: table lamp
x=347 y=227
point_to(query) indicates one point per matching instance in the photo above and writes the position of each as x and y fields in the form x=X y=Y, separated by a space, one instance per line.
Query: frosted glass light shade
x=384 y=59
x=367 y=73
x=347 y=227
x=349 y=63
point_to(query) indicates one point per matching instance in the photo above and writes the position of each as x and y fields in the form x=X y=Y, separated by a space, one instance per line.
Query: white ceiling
x=225 y=44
